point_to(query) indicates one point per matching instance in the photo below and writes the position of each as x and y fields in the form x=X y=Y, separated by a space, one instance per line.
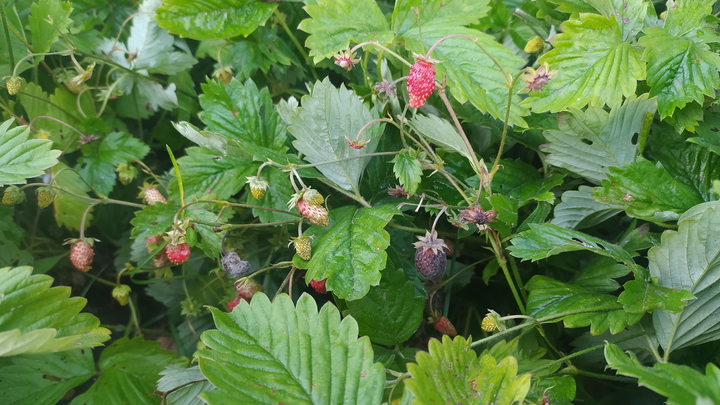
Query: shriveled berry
x=430 y=256
x=303 y=246
x=177 y=253
x=234 y=266
x=444 y=326
x=319 y=286
x=421 y=81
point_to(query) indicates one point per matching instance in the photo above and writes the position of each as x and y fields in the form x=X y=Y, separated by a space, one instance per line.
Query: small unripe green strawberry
x=444 y=326
x=247 y=287
x=317 y=214
x=13 y=84
x=13 y=196
x=430 y=256
x=224 y=74
x=81 y=253
x=489 y=324
x=126 y=173
x=45 y=196
x=258 y=186
x=177 y=253
x=122 y=294
x=303 y=246
x=534 y=45
x=152 y=195
x=319 y=286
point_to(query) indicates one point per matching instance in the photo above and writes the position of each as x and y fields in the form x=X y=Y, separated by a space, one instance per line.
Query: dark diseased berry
x=234 y=265
x=430 y=256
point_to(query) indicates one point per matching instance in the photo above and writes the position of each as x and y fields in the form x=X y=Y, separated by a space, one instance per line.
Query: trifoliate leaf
x=436 y=12
x=97 y=166
x=647 y=191
x=390 y=313
x=579 y=209
x=333 y=24
x=131 y=367
x=350 y=252
x=48 y=19
x=687 y=259
x=452 y=373
x=603 y=311
x=472 y=74
x=327 y=118
x=21 y=157
x=587 y=143
x=595 y=66
x=640 y=297
x=44 y=378
x=524 y=183
x=408 y=171
x=213 y=19
x=680 y=384
x=279 y=352
x=35 y=318
x=68 y=208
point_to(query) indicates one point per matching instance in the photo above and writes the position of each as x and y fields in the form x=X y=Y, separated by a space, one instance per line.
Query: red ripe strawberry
x=444 y=326
x=247 y=287
x=152 y=195
x=317 y=214
x=177 y=253
x=81 y=253
x=319 y=286
x=421 y=81
x=430 y=256
x=233 y=303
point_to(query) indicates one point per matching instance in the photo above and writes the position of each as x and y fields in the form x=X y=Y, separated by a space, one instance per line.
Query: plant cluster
x=359 y=202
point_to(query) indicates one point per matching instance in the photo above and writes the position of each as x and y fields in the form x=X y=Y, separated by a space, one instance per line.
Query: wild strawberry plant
x=341 y=202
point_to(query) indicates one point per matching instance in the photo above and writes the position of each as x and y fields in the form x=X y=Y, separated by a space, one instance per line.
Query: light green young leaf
x=68 y=208
x=682 y=385
x=587 y=143
x=630 y=14
x=276 y=352
x=327 y=118
x=48 y=19
x=595 y=66
x=408 y=171
x=186 y=385
x=545 y=240
x=20 y=157
x=472 y=74
x=390 y=313
x=35 y=318
x=690 y=19
x=130 y=368
x=436 y=12
x=350 y=251
x=97 y=165
x=640 y=297
x=333 y=24
x=579 y=209
x=687 y=259
x=647 y=191
x=441 y=133
x=213 y=19
x=549 y=297
x=522 y=182
x=24 y=379
x=451 y=372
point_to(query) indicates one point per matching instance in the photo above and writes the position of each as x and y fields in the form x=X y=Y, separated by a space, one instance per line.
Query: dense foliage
x=351 y=201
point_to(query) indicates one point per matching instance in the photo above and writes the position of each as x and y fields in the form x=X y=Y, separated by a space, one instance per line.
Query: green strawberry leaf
x=350 y=251
x=522 y=182
x=680 y=384
x=69 y=209
x=545 y=240
x=184 y=385
x=630 y=14
x=706 y=133
x=45 y=33
x=436 y=12
x=327 y=118
x=205 y=172
x=97 y=165
x=390 y=313
x=213 y=19
x=579 y=209
x=640 y=297
x=408 y=171
x=647 y=191
x=13 y=42
x=595 y=66
x=153 y=219
x=472 y=74
x=451 y=372
x=266 y=352
x=588 y=143
x=21 y=157
x=334 y=23
x=44 y=378
x=130 y=368
x=441 y=133
x=680 y=69
x=35 y=318
x=686 y=260
x=600 y=311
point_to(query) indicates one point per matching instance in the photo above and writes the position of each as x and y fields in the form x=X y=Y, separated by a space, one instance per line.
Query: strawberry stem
x=496 y=163
x=375 y=43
